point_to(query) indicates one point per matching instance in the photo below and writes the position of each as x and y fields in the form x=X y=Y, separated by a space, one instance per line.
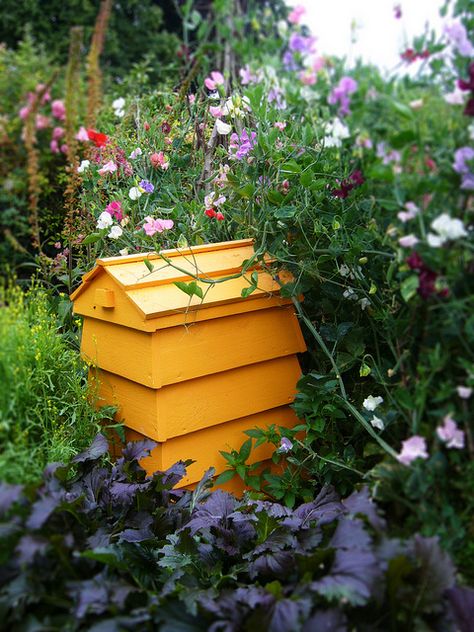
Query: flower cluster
x=356 y=179
x=241 y=146
x=340 y=94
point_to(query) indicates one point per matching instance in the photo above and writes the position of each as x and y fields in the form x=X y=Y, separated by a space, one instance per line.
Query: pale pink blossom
x=408 y=241
x=413 y=448
x=294 y=17
x=280 y=125
x=191 y=98
x=23 y=113
x=216 y=111
x=82 y=135
x=153 y=226
x=464 y=392
x=215 y=79
x=109 y=167
x=450 y=434
x=411 y=212
x=42 y=122
x=307 y=77
x=53 y=145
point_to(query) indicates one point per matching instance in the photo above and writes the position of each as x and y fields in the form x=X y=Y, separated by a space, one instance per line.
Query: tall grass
x=46 y=407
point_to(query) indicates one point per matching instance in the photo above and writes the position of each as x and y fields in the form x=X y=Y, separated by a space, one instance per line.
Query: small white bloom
x=377 y=423
x=118 y=107
x=115 y=232
x=223 y=128
x=135 y=153
x=364 y=303
x=416 y=104
x=344 y=270
x=448 y=227
x=408 y=241
x=335 y=132
x=134 y=193
x=105 y=220
x=124 y=221
x=85 y=164
x=350 y=294
x=435 y=241
x=123 y=252
x=371 y=403
x=464 y=392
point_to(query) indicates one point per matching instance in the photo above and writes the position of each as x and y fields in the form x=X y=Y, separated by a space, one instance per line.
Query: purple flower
x=285 y=445
x=146 y=186
x=459 y=39
x=301 y=44
x=461 y=157
x=340 y=94
x=275 y=95
x=289 y=61
x=413 y=448
x=241 y=146
x=449 y=433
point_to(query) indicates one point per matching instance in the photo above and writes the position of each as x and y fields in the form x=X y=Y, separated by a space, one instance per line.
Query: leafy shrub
x=46 y=408
x=110 y=549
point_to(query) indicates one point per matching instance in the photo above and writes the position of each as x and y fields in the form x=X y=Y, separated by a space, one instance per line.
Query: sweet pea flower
x=115 y=232
x=246 y=76
x=223 y=128
x=307 y=77
x=301 y=44
x=219 y=216
x=215 y=111
x=412 y=449
x=370 y=403
x=85 y=164
x=23 y=112
x=58 y=132
x=42 y=122
x=457 y=35
x=146 y=187
x=240 y=146
x=376 y=422
x=215 y=79
x=99 y=139
x=114 y=208
x=118 y=107
x=447 y=229
x=450 y=434
x=54 y=146
x=280 y=125
x=153 y=226
x=285 y=446
x=464 y=392
x=109 y=167
x=336 y=131
x=210 y=200
x=294 y=17
x=408 y=241
x=159 y=159
x=123 y=252
x=135 y=193
x=135 y=153
x=416 y=104
x=58 y=109
x=191 y=99
x=411 y=212
x=456 y=97
x=105 y=220
x=82 y=135
x=340 y=94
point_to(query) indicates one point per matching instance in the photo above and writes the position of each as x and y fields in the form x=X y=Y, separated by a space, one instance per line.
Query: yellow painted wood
x=104 y=297
x=204 y=446
x=188 y=406
x=176 y=354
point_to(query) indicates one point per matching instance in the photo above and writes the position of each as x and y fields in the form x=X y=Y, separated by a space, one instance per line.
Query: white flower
x=85 y=164
x=223 y=128
x=350 y=294
x=115 y=232
x=134 y=193
x=335 y=131
x=364 y=303
x=456 y=97
x=105 y=220
x=123 y=252
x=464 y=392
x=135 y=153
x=344 y=270
x=447 y=228
x=377 y=423
x=118 y=106
x=416 y=104
x=371 y=403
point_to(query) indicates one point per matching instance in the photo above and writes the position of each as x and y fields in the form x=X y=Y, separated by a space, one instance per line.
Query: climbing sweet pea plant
x=361 y=186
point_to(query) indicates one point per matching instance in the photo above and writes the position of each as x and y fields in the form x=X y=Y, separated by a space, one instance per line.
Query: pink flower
x=191 y=98
x=307 y=77
x=464 y=392
x=23 y=113
x=295 y=16
x=58 y=132
x=413 y=448
x=411 y=212
x=449 y=433
x=153 y=226
x=109 y=167
x=215 y=111
x=114 y=208
x=82 y=135
x=215 y=79
x=64 y=148
x=58 y=109
x=42 y=122
x=318 y=64
x=408 y=241
x=280 y=125
x=159 y=159
x=53 y=145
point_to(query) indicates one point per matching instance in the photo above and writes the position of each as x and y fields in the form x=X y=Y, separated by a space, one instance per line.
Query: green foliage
x=46 y=409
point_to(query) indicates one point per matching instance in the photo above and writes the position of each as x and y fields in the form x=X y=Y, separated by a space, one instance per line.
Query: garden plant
x=360 y=183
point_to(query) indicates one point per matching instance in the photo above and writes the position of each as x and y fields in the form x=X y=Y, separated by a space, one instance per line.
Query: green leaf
x=247 y=291
x=244 y=451
x=407 y=137
x=190 y=289
x=92 y=238
x=306 y=179
x=225 y=477
x=148 y=264
x=285 y=212
x=409 y=287
x=290 y=167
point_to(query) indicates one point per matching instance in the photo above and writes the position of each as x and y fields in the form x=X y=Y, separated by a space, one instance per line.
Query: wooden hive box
x=192 y=374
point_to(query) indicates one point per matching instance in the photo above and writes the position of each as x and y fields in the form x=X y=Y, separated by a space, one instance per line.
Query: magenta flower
x=356 y=179
x=412 y=449
x=216 y=79
x=42 y=122
x=58 y=109
x=285 y=445
x=450 y=434
x=294 y=17
x=115 y=209
x=23 y=113
x=58 y=132
x=340 y=94
x=54 y=146
x=300 y=44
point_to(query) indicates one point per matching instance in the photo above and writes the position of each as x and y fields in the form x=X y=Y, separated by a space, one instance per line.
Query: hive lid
x=154 y=294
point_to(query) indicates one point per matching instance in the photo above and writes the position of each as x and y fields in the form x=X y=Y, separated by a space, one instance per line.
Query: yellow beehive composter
x=191 y=373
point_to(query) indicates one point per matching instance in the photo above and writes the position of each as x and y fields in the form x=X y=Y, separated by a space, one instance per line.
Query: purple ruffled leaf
x=41 y=510
x=28 y=547
x=436 y=571
x=213 y=512
x=361 y=503
x=350 y=534
x=9 y=495
x=98 y=448
x=285 y=616
x=461 y=601
x=137 y=450
x=326 y=621
x=135 y=535
x=323 y=510
x=279 y=564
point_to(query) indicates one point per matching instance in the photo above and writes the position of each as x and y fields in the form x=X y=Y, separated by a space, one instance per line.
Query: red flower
x=97 y=138
x=356 y=179
x=210 y=212
x=409 y=55
x=219 y=216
